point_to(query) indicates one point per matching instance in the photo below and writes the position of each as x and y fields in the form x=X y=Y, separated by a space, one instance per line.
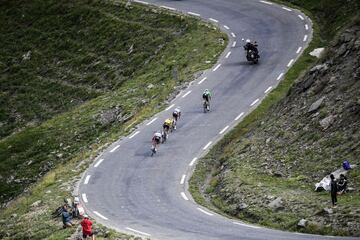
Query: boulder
x=36 y=204
x=316 y=105
x=326 y=122
x=276 y=204
x=317 y=52
x=320 y=67
x=328 y=210
x=302 y=223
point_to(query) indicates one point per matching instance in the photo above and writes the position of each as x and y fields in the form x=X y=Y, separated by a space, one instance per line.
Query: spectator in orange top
x=87 y=228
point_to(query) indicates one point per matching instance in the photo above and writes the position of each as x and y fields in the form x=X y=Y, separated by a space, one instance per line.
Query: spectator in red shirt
x=86 y=228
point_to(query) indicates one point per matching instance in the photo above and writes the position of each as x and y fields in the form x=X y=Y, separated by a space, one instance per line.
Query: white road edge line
x=224 y=129
x=137 y=231
x=266 y=2
x=239 y=116
x=245 y=225
x=84 y=197
x=226 y=27
x=228 y=55
x=234 y=44
x=298 y=50
x=151 y=121
x=290 y=62
x=287 y=9
x=182 y=179
x=214 y=20
x=301 y=17
x=207 y=145
x=233 y=35
x=216 y=68
x=166 y=7
x=200 y=82
x=194 y=14
x=87 y=179
x=192 y=161
x=99 y=162
x=184 y=196
x=306 y=27
x=305 y=38
x=100 y=215
x=143 y=2
x=186 y=94
x=207 y=213
x=254 y=102
x=169 y=107
x=136 y=133
x=114 y=149
x=280 y=76
x=268 y=89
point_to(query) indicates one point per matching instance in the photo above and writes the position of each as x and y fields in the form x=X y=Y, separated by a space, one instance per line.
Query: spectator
x=342 y=184
x=333 y=190
x=86 y=228
x=66 y=217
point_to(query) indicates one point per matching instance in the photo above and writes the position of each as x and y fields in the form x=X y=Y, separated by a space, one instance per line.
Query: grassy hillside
x=56 y=55
x=94 y=70
x=281 y=149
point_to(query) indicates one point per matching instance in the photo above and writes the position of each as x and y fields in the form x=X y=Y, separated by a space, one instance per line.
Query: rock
x=242 y=206
x=326 y=122
x=302 y=223
x=48 y=191
x=278 y=174
x=268 y=140
x=316 y=105
x=276 y=204
x=14 y=215
x=36 y=204
x=321 y=67
x=110 y=116
x=150 y=86
x=328 y=210
x=27 y=56
x=317 y=52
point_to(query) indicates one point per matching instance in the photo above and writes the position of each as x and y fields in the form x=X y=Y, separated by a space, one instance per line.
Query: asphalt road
x=130 y=191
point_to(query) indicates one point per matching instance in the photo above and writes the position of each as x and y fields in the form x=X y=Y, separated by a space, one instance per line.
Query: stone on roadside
x=316 y=105
x=317 y=52
x=242 y=206
x=302 y=223
x=320 y=67
x=150 y=86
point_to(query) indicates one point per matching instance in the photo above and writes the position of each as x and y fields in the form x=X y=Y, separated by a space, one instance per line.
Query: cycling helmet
x=248 y=40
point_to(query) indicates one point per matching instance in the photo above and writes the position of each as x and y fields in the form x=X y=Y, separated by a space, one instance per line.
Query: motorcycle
x=252 y=56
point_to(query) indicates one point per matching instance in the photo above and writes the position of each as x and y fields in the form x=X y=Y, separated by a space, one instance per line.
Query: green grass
x=241 y=153
x=176 y=44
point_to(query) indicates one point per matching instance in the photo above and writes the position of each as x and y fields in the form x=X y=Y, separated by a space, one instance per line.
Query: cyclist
x=176 y=115
x=166 y=127
x=156 y=140
x=207 y=97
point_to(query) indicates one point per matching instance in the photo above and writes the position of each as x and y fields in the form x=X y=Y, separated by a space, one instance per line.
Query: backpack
x=346 y=165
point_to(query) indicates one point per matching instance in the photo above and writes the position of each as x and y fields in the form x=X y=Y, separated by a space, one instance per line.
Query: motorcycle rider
x=251 y=46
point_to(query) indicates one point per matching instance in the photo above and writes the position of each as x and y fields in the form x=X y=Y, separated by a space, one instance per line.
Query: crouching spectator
x=66 y=217
x=87 y=228
x=342 y=184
